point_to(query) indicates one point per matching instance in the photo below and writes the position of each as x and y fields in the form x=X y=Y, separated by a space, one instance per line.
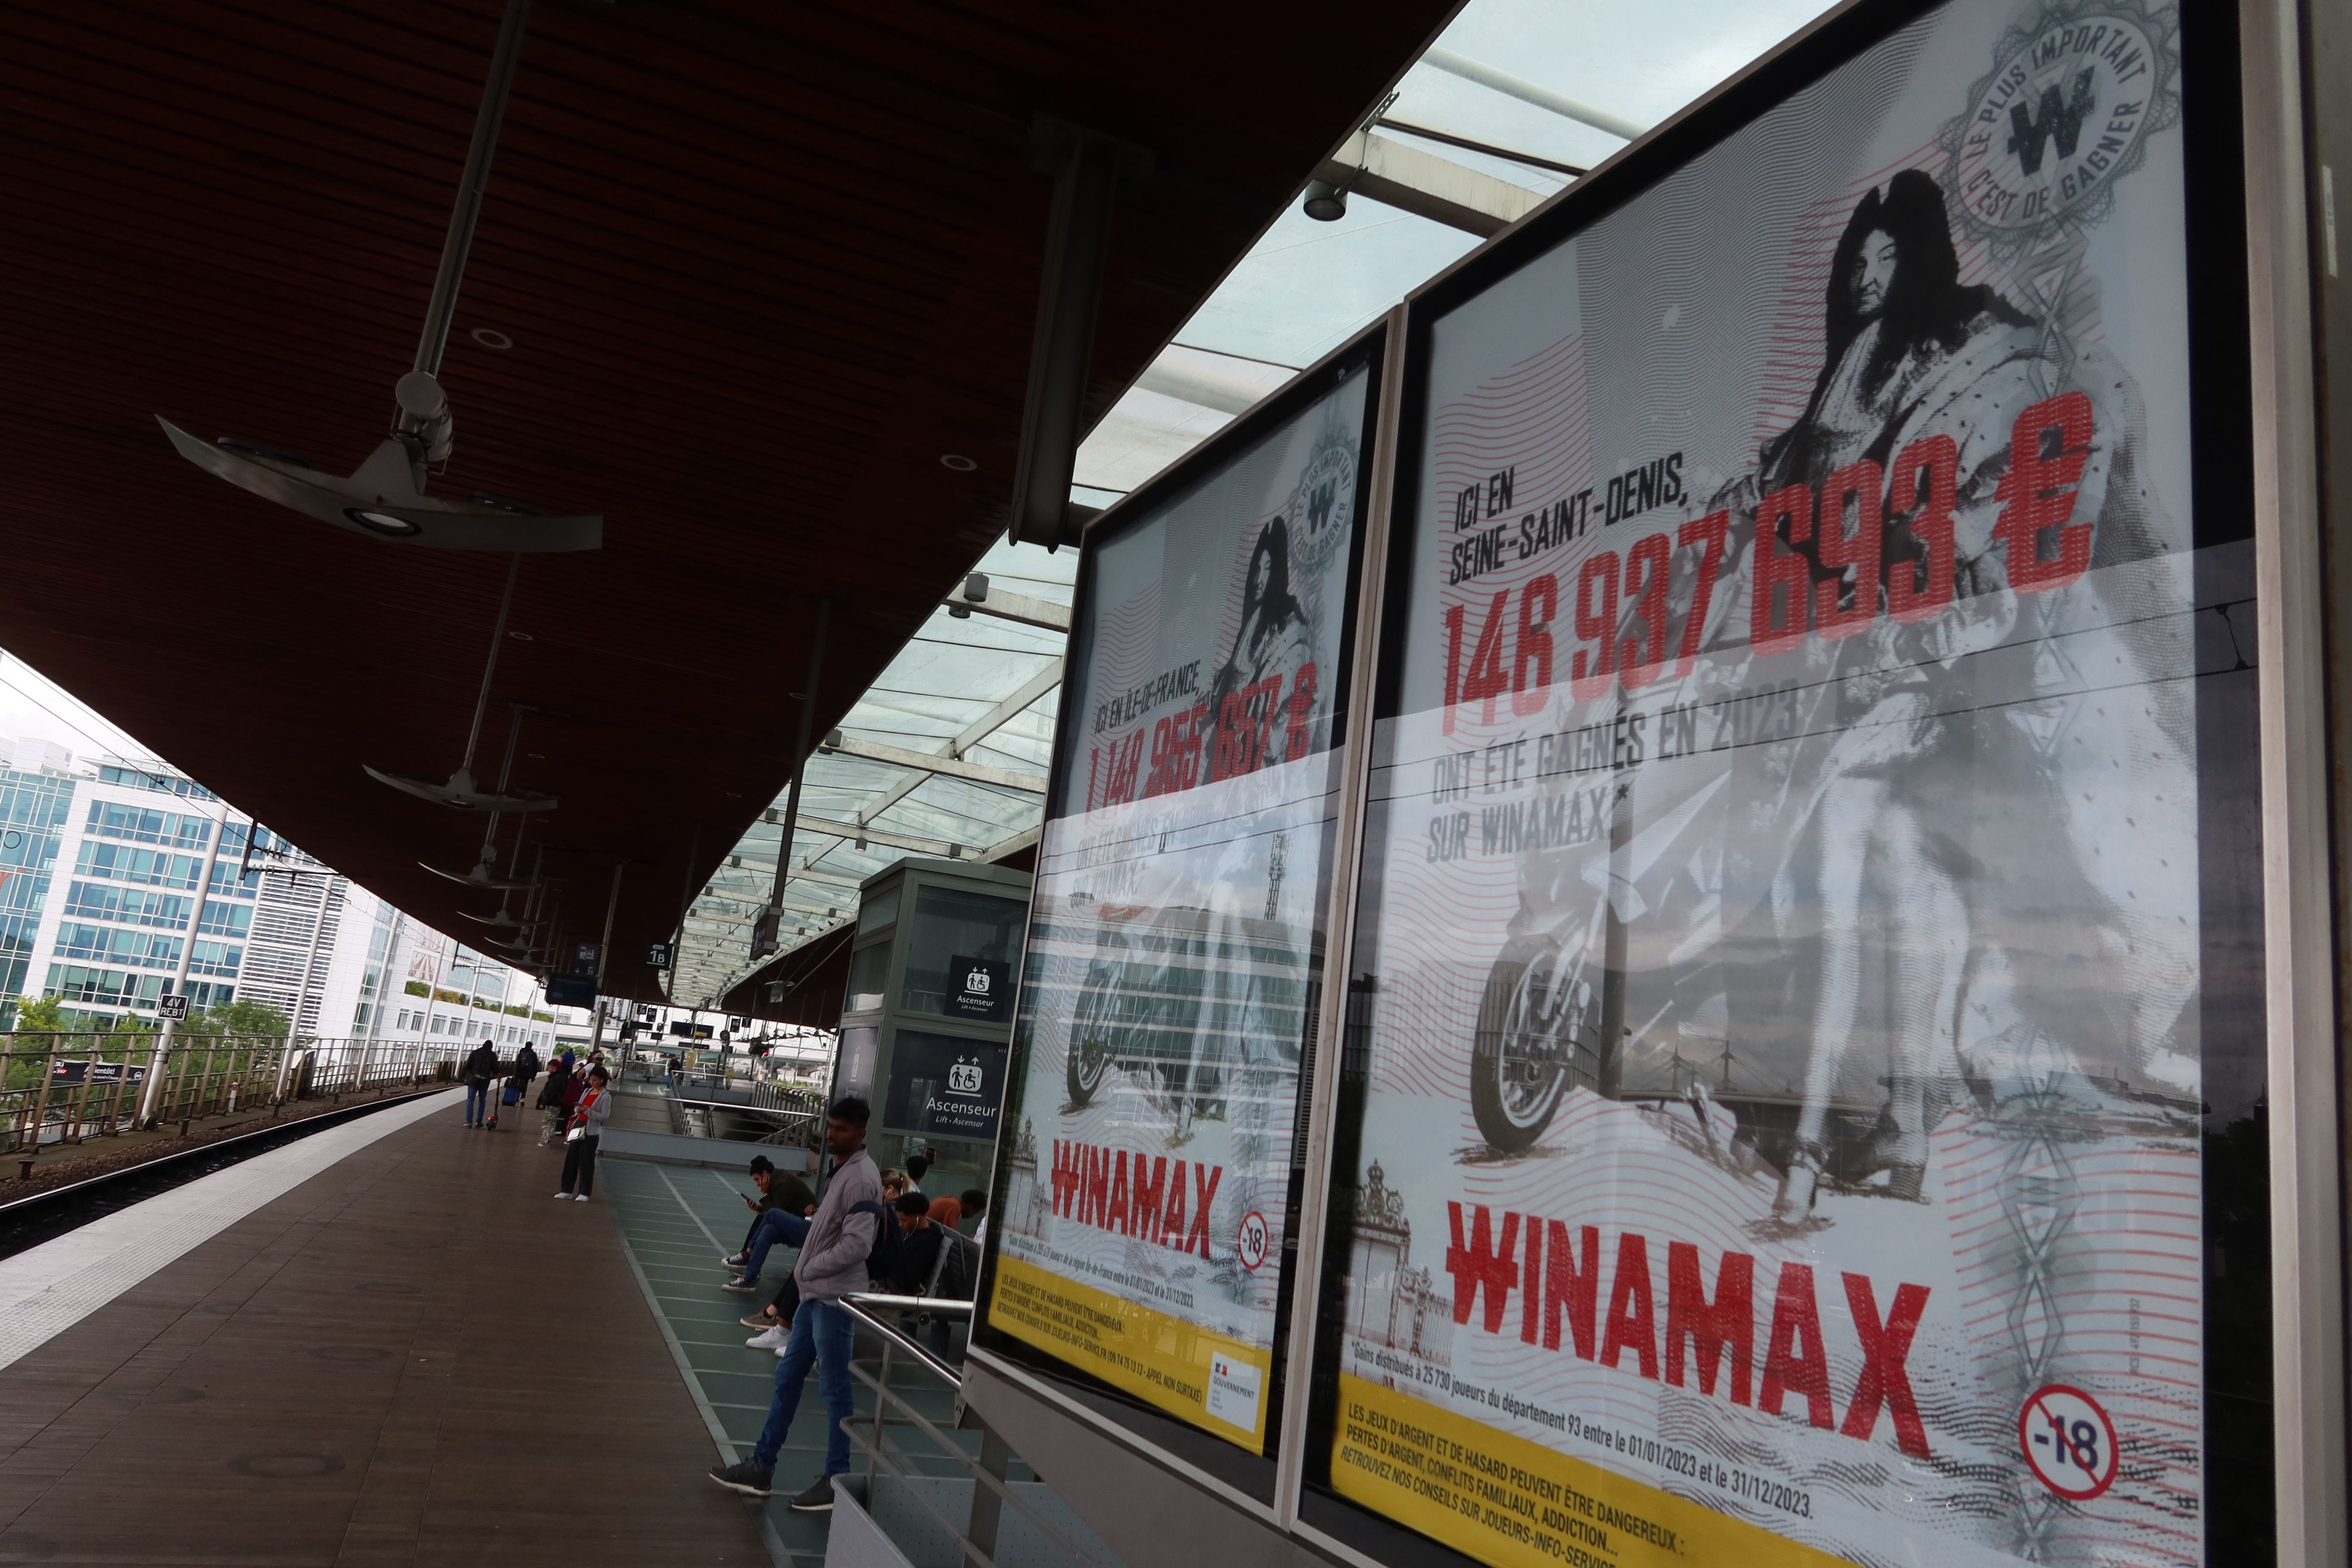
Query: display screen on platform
x=1787 y=943
x=1175 y=940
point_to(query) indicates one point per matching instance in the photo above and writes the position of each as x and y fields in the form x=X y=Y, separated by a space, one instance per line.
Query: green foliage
x=37 y=1015
x=515 y=1010
x=239 y=1017
x=416 y=988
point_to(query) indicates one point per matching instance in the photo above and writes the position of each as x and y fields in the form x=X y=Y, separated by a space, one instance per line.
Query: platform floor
x=677 y=1222
x=416 y=1356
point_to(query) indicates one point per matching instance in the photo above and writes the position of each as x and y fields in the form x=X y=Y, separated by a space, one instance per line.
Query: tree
x=240 y=1017
x=39 y=1014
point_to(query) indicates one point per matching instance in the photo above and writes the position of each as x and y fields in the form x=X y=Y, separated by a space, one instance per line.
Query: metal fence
x=67 y=1087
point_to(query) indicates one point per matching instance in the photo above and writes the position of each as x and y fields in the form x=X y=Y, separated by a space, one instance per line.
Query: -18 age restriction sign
x=2070 y=1442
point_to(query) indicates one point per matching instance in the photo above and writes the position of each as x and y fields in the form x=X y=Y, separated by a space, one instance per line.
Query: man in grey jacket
x=832 y=1265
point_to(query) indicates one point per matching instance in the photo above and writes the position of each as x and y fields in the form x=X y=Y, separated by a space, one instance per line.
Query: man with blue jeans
x=480 y=1068
x=832 y=1265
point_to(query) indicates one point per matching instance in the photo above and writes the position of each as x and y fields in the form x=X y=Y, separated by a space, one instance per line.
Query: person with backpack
x=481 y=1067
x=850 y=1242
x=552 y=1102
x=526 y=1068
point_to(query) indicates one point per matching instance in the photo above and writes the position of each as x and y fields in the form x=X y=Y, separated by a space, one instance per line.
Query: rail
x=991 y=1492
x=67 y=1087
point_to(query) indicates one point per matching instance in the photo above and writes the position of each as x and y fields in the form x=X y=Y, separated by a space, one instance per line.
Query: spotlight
x=1325 y=202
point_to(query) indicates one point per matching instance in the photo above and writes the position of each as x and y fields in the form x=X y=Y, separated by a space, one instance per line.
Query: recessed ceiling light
x=382 y=523
x=491 y=338
x=732 y=795
x=958 y=461
x=536 y=756
x=520 y=636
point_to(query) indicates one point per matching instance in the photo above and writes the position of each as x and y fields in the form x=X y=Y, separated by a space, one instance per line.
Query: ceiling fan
x=460 y=791
x=383 y=498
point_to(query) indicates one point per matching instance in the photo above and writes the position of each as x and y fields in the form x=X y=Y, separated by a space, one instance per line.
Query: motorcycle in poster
x=1783 y=877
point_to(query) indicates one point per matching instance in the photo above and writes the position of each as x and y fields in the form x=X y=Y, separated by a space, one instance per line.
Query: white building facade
x=99 y=869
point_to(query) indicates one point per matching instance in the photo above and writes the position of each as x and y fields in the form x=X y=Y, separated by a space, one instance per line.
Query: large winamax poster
x=1175 y=929
x=1781 y=1130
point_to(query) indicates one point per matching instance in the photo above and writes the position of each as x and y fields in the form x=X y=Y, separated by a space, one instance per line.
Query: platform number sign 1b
x=2069 y=1441
x=657 y=955
x=173 y=1007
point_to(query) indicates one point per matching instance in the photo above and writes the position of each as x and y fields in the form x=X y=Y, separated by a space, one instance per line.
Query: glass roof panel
x=1302 y=291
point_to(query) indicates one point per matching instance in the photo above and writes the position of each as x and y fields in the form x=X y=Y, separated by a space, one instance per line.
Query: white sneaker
x=770 y=1339
x=781 y=1350
x=563 y=1198
x=583 y=1198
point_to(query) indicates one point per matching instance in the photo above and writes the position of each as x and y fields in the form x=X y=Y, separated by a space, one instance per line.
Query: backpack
x=889 y=1254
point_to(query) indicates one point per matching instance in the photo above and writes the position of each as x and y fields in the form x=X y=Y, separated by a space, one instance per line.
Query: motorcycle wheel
x=1516 y=1080
x=1089 y=1058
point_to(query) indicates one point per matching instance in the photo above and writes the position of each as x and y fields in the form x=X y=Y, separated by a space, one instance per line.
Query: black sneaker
x=741 y=1285
x=818 y=1498
x=748 y=1478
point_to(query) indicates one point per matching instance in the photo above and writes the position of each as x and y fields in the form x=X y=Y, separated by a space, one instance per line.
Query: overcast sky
x=31 y=704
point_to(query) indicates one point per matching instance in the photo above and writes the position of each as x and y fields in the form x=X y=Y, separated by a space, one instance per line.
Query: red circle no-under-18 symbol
x=1253 y=1241
x=2070 y=1442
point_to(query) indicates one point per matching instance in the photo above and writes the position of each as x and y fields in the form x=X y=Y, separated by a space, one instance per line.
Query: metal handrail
x=63 y=1087
x=876 y=1447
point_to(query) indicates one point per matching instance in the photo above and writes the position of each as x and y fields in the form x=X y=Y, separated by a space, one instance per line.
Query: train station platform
x=381 y=1344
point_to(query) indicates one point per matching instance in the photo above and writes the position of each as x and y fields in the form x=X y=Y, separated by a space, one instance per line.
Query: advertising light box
x=1174 y=945
x=1807 y=950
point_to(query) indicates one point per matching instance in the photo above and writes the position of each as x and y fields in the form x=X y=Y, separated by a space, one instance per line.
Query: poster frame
x=2270 y=323
x=1251 y=1477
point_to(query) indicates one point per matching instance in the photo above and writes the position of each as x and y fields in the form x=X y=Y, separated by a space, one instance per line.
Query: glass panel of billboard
x=1175 y=945
x=1808 y=943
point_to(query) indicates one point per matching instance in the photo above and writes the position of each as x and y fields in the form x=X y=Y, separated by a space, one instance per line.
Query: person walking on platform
x=587 y=1127
x=552 y=1102
x=833 y=1264
x=526 y=1068
x=481 y=1067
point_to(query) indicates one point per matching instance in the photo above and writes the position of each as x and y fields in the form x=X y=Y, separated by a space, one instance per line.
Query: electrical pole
x=604 y=959
x=153 y=1091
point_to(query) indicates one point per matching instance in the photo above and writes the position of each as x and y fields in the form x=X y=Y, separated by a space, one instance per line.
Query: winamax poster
x=1781 y=1124
x=1173 y=934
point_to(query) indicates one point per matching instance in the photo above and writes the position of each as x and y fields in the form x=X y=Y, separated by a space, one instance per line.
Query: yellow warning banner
x=1515 y=1504
x=1217 y=1383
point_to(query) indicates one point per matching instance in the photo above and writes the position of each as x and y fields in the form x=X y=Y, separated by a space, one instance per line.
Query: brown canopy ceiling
x=761 y=262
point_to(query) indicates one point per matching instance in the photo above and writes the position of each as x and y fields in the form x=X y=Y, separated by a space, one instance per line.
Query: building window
x=215 y=958
x=113 y=944
x=109 y=819
x=226 y=920
x=106 y=988
x=122 y=863
x=131 y=906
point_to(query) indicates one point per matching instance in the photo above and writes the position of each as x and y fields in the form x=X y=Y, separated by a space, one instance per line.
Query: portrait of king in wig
x=1960 y=887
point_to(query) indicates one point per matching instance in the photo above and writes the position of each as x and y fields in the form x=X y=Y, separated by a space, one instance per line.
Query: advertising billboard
x=1786 y=979
x=1174 y=946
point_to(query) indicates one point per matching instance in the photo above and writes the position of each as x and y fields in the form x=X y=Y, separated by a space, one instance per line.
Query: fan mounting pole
x=459 y=240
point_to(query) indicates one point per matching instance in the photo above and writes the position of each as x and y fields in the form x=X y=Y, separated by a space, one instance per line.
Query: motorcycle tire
x=1083 y=1076
x=1509 y=1124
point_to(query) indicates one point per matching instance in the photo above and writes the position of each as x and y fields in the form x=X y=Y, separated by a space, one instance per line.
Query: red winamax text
x=1556 y=1269
x=1133 y=1195
x=1257 y=724
x=1835 y=591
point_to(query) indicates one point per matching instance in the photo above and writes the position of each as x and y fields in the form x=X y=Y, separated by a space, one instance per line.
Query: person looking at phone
x=780 y=1213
